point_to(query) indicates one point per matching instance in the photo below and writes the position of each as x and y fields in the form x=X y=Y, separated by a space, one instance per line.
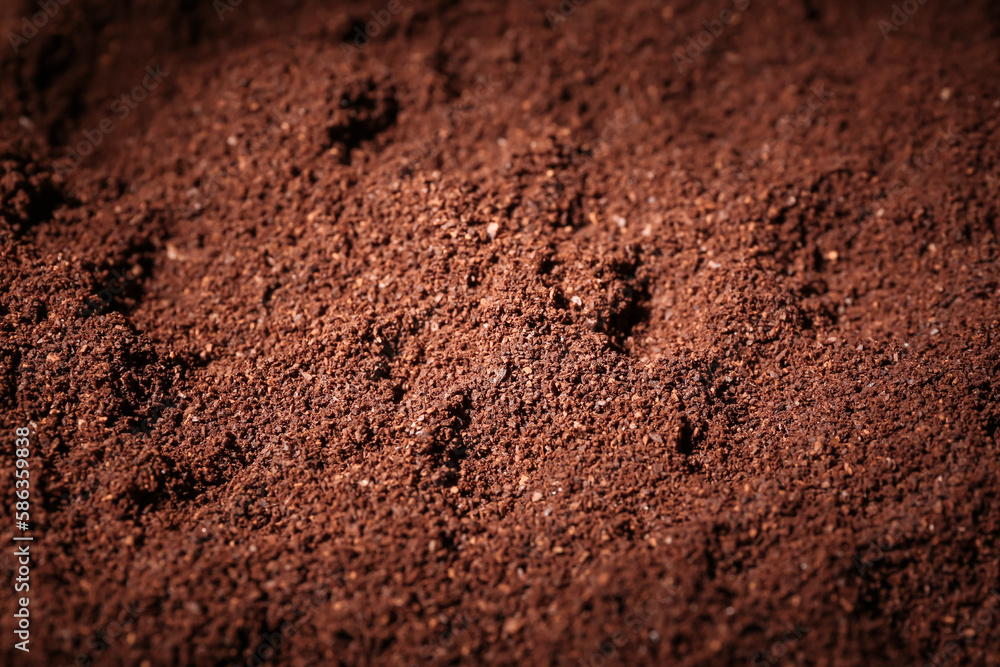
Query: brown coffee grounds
x=502 y=339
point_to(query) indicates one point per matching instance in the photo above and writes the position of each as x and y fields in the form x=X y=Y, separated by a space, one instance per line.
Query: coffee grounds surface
x=509 y=334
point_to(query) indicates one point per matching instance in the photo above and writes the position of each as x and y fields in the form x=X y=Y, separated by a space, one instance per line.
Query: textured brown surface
x=502 y=343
